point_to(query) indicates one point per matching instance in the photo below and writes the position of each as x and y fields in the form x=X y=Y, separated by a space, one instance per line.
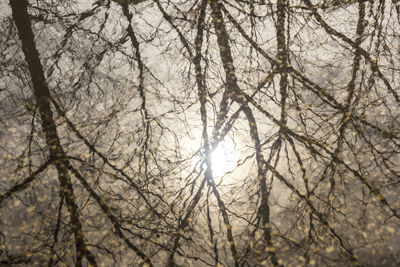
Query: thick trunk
x=42 y=95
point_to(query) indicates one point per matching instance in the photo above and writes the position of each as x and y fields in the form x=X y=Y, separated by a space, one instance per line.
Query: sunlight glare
x=223 y=159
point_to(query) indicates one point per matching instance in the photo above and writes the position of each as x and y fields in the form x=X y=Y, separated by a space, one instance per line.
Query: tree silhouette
x=112 y=113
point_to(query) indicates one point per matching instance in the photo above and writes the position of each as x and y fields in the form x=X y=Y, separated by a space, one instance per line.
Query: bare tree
x=200 y=133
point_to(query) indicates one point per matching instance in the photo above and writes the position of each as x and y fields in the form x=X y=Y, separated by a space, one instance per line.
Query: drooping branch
x=21 y=186
x=142 y=93
x=203 y=113
x=107 y=211
x=348 y=109
x=93 y=149
x=235 y=93
x=356 y=45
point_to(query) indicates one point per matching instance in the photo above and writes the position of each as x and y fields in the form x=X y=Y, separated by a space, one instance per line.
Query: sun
x=224 y=159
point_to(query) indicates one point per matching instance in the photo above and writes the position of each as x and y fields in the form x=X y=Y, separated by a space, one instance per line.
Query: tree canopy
x=200 y=133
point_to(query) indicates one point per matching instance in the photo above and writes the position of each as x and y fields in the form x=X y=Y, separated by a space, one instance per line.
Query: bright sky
x=224 y=159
